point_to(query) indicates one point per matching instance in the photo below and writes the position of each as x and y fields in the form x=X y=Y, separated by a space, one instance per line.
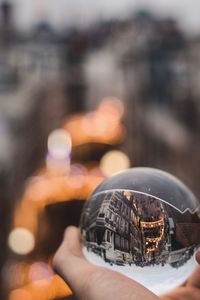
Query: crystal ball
x=145 y=224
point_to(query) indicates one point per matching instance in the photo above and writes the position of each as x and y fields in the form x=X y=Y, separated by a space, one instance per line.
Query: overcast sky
x=63 y=12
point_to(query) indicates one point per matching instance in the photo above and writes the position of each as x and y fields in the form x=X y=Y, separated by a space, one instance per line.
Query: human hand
x=89 y=282
x=190 y=290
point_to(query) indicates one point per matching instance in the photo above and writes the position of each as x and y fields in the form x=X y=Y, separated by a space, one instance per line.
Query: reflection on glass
x=145 y=237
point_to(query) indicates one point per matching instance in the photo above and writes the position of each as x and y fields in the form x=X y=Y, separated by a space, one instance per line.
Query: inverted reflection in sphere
x=144 y=223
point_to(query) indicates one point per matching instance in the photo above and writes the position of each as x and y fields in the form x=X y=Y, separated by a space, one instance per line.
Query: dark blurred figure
x=165 y=41
x=75 y=50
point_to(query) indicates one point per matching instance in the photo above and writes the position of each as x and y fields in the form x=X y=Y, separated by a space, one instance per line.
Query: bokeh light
x=59 y=144
x=102 y=125
x=78 y=175
x=94 y=124
x=113 y=106
x=16 y=273
x=21 y=241
x=20 y=294
x=40 y=271
x=57 y=166
x=114 y=161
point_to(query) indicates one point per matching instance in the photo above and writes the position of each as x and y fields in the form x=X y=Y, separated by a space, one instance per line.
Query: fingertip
x=72 y=241
x=71 y=231
x=69 y=249
x=198 y=257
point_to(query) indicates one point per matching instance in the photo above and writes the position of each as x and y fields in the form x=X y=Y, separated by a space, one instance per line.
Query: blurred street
x=79 y=102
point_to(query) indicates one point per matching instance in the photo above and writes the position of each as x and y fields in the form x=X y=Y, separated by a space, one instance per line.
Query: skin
x=89 y=282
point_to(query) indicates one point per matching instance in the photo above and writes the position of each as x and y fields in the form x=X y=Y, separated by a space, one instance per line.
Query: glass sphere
x=145 y=224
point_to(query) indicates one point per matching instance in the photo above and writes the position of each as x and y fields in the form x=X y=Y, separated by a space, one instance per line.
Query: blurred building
x=126 y=228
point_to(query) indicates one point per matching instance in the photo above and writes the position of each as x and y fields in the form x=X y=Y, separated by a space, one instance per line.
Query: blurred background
x=87 y=88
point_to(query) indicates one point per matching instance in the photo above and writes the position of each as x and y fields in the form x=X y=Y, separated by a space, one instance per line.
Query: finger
x=70 y=263
x=88 y=281
x=198 y=257
x=72 y=242
x=182 y=293
x=194 y=279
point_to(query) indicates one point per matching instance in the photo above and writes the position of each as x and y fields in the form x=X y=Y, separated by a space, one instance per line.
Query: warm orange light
x=16 y=274
x=96 y=124
x=42 y=290
x=45 y=189
x=61 y=289
x=20 y=294
x=113 y=106
x=53 y=189
x=100 y=126
x=59 y=181
x=114 y=161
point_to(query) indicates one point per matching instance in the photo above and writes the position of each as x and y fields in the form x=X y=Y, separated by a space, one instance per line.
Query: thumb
x=89 y=281
x=194 y=280
x=198 y=257
x=70 y=263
